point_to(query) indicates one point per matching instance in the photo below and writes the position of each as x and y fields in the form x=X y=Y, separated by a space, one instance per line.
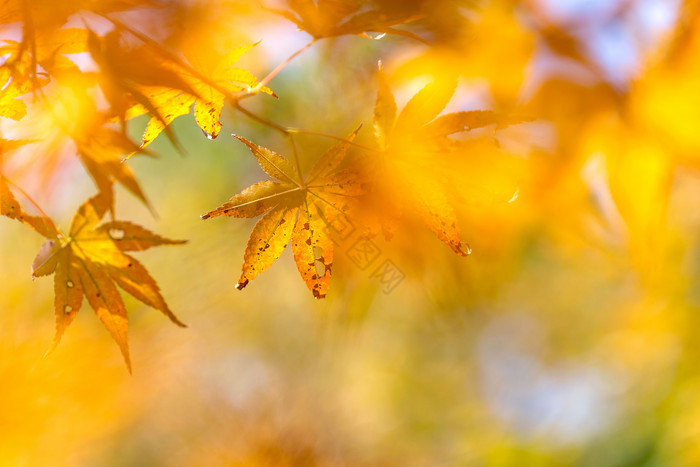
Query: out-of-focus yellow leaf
x=90 y=261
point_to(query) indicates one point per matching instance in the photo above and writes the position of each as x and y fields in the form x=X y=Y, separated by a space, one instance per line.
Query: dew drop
x=70 y=284
x=375 y=36
x=67 y=309
x=116 y=234
x=465 y=248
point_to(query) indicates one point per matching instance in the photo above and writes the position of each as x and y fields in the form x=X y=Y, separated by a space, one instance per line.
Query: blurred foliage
x=567 y=337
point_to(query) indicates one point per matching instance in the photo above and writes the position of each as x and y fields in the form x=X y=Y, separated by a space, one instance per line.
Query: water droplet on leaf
x=375 y=36
x=465 y=248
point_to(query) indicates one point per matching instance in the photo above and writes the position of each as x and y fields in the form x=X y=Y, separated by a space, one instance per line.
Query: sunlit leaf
x=91 y=260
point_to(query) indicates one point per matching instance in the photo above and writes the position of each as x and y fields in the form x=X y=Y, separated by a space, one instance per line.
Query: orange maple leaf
x=415 y=148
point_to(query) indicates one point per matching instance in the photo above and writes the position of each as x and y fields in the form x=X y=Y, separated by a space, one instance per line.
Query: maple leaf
x=91 y=261
x=101 y=149
x=48 y=51
x=125 y=70
x=10 y=207
x=223 y=79
x=10 y=105
x=50 y=13
x=102 y=155
x=330 y=18
x=415 y=146
x=294 y=208
x=44 y=39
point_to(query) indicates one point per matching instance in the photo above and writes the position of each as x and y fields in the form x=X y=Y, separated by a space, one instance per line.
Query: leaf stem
x=288 y=131
x=259 y=119
x=296 y=159
x=283 y=65
x=338 y=138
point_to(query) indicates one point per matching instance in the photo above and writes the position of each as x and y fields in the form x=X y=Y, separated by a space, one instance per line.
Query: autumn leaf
x=330 y=18
x=10 y=207
x=51 y=14
x=296 y=209
x=48 y=52
x=10 y=105
x=91 y=261
x=415 y=145
x=100 y=148
x=473 y=52
x=223 y=79
x=125 y=70
x=102 y=153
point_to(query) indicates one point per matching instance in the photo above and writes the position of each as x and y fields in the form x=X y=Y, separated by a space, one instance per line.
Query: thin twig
x=296 y=159
x=326 y=135
x=257 y=118
x=282 y=65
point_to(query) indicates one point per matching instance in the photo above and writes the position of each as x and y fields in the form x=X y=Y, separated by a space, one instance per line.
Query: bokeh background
x=568 y=337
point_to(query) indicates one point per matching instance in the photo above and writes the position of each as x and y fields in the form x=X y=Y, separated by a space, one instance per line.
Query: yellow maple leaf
x=91 y=261
x=295 y=208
